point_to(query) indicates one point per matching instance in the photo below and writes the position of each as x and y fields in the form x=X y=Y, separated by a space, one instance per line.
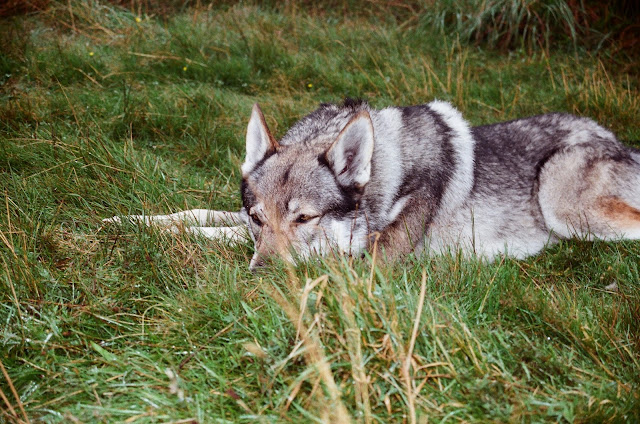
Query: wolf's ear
x=350 y=155
x=260 y=142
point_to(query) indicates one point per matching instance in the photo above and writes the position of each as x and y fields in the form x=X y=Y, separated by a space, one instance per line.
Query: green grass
x=103 y=115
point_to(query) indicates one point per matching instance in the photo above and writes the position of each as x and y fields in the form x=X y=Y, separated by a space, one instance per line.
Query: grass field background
x=110 y=109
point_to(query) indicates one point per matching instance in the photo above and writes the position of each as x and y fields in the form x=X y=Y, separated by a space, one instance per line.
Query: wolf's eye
x=256 y=220
x=301 y=219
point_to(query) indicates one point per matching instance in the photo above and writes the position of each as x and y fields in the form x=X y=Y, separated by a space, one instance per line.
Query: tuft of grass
x=508 y=24
x=109 y=109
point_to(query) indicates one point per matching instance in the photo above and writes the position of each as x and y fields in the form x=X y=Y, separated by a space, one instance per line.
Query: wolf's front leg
x=197 y=217
x=231 y=235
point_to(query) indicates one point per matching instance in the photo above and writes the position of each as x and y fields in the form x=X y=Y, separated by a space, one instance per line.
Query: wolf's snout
x=256 y=263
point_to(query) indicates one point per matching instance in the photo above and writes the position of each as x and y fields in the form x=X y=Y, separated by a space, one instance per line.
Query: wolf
x=419 y=179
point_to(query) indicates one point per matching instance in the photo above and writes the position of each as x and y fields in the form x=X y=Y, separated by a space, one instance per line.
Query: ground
x=113 y=109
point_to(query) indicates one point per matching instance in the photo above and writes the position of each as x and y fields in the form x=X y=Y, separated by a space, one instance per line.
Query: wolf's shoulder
x=330 y=118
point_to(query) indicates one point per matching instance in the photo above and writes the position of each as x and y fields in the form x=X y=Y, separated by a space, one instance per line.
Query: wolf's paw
x=174 y=229
x=112 y=220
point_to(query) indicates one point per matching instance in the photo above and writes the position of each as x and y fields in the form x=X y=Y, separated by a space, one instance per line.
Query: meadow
x=111 y=109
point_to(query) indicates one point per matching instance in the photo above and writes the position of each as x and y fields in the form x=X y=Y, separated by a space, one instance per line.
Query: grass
x=104 y=111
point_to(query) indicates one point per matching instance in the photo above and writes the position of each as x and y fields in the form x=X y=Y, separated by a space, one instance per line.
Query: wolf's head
x=302 y=194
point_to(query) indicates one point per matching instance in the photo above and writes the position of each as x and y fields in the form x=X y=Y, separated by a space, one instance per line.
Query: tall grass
x=506 y=23
x=109 y=109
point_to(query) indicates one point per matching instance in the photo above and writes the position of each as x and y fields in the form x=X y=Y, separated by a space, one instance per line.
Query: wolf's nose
x=256 y=263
